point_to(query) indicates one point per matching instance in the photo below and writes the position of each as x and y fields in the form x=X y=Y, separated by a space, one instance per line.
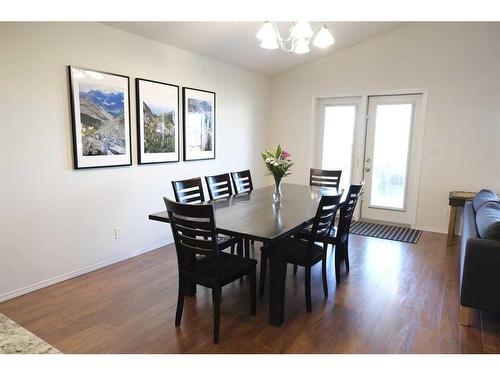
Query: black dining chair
x=305 y=252
x=219 y=186
x=242 y=181
x=200 y=259
x=191 y=192
x=324 y=178
x=338 y=236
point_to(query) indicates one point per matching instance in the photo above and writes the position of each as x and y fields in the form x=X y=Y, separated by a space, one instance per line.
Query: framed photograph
x=100 y=113
x=199 y=124
x=157 y=121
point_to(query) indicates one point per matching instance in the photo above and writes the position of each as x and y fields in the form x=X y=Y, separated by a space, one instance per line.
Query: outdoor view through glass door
x=335 y=137
x=388 y=165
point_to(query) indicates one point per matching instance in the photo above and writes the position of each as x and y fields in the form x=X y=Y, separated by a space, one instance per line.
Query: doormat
x=386 y=231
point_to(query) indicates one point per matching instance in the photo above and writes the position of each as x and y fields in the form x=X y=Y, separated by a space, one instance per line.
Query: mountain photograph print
x=100 y=118
x=199 y=124
x=157 y=121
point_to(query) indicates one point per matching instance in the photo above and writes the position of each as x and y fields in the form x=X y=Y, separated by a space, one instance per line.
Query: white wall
x=56 y=222
x=459 y=65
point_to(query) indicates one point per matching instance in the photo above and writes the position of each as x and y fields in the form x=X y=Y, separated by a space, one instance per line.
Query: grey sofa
x=480 y=255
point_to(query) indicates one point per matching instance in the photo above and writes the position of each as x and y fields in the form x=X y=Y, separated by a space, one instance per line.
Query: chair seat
x=295 y=251
x=305 y=234
x=232 y=267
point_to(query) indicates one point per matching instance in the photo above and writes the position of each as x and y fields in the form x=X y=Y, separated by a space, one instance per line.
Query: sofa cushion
x=488 y=221
x=483 y=196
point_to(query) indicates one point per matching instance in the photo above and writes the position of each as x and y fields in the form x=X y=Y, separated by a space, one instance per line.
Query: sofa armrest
x=481 y=275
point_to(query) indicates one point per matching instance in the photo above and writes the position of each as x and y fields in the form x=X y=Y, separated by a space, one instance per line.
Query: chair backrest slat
x=189 y=223
x=242 y=181
x=219 y=186
x=325 y=215
x=198 y=245
x=189 y=191
x=324 y=178
x=347 y=208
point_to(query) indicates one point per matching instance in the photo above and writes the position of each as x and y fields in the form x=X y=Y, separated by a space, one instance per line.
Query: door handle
x=367 y=165
x=368 y=169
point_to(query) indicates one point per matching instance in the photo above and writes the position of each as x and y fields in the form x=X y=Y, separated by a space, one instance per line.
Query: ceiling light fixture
x=299 y=39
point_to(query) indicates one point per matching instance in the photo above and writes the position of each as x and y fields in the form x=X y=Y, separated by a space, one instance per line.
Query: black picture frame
x=77 y=162
x=186 y=125
x=140 y=156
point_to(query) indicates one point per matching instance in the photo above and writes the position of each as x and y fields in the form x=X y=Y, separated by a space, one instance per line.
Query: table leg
x=451 y=225
x=276 y=287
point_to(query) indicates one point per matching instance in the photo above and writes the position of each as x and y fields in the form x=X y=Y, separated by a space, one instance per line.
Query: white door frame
x=357 y=170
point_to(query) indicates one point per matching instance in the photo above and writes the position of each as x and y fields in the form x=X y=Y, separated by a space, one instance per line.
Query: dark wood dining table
x=254 y=216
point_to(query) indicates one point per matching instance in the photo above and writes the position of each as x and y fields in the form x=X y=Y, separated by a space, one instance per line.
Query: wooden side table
x=456 y=199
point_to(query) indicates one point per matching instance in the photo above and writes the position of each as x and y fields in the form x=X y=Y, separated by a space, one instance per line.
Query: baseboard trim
x=81 y=271
x=431 y=229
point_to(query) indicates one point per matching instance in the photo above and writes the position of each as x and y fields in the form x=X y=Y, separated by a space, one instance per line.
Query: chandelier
x=298 y=41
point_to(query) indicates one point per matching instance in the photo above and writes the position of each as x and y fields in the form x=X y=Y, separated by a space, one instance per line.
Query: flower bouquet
x=278 y=163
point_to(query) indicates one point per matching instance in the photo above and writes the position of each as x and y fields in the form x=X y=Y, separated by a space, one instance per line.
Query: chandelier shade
x=267 y=32
x=323 y=38
x=269 y=44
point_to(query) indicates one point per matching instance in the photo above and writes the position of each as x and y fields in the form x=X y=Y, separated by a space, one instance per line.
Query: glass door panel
x=338 y=134
x=390 y=155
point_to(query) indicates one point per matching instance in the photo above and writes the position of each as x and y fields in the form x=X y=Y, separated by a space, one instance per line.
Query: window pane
x=390 y=155
x=337 y=141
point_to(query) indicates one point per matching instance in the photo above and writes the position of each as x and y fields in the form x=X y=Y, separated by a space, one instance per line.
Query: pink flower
x=284 y=154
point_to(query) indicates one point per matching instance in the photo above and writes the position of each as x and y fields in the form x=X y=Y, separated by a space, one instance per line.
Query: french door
x=390 y=162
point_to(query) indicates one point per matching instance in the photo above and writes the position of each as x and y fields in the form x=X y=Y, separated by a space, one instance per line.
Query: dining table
x=255 y=216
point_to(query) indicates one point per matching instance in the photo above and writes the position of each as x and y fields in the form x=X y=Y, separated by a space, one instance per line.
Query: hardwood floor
x=398 y=298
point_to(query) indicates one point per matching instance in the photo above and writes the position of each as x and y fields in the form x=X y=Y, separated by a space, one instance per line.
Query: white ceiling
x=235 y=43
